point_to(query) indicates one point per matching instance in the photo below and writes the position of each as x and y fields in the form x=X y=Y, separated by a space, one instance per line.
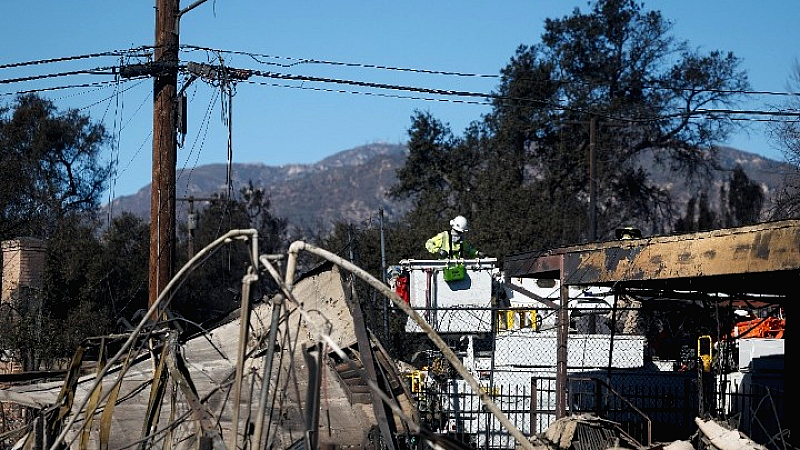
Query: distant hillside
x=349 y=185
x=769 y=174
x=352 y=184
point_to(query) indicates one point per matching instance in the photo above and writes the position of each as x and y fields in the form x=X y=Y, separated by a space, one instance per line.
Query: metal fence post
x=598 y=393
x=534 y=406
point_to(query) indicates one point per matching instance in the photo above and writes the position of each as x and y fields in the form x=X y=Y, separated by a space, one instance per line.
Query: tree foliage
x=439 y=175
x=214 y=288
x=521 y=172
x=53 y=174
x=787 y=138
x=50 y=166
x=361 y=245
x=741 y=201
x=93 y=283
x=745 y=199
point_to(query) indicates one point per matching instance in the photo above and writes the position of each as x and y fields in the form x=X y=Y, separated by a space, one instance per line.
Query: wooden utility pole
x=191 y=219
x=162 y=197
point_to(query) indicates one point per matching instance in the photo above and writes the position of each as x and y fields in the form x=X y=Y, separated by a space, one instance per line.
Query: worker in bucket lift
x=451 y=244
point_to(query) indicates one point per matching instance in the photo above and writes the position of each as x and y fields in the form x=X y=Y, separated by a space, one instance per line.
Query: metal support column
x=562 y=332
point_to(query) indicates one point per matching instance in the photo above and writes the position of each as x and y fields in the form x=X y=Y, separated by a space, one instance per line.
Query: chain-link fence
x=649 y=362
x=450 y=407
x=645 y=367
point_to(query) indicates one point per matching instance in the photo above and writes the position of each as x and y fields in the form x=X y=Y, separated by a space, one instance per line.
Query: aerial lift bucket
x=454 y=272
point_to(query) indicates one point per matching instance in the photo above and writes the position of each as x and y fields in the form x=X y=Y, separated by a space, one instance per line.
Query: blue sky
x=281 y=122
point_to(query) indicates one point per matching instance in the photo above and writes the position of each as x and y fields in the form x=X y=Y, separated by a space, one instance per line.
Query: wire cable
x=490 y=96
x=76 y=57
x=654 y=84
x=95 y=71
x=69 y=86
x=297 y=61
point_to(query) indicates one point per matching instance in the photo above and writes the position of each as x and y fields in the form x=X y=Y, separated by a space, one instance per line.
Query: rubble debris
x=713 y=435
x=585 y=432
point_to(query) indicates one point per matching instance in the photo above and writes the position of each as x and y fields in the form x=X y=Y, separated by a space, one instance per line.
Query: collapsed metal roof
x=754 y=266
x=762 y=259
x=208 y=363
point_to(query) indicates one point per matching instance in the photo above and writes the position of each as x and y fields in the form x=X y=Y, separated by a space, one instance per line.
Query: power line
x=95 y=71
x=446 y=94
x=96 y=84
x=780 y=113
x=294 y=61
x=299 y=61
x=708 y=113
x=654 y=83
x=439 y=92
x=750 y=119
x=454 y=93
x=487 y=98
x=116 y=94
x=474 y=102
x=370 y=94
x=76 y=57
x=64 y=87
x=393 y=87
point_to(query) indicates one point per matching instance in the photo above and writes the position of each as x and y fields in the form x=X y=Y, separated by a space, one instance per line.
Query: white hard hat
x=460 y=224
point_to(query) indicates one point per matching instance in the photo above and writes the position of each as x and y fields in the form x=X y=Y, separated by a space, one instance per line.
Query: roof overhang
x=762 y=259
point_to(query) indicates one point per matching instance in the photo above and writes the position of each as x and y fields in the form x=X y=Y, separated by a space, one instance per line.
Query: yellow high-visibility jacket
x=443 y=241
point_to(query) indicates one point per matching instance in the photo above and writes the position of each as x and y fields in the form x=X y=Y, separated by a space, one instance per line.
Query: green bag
x=454 y=272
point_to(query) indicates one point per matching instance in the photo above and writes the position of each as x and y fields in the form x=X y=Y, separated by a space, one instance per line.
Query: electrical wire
x=114 y=148
x=705 y=113
x=655 y=84
x=116 y=94
x=114 y=53
x=147 y=139
x=298 y=61
x=95 y=71
x=439 y=92
x=200 y=139
x=449 y=93
x=63 y=87
x=371 y=94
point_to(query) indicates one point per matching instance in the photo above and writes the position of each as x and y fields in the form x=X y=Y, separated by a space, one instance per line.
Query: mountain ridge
x=352 y=185
x=348 y=185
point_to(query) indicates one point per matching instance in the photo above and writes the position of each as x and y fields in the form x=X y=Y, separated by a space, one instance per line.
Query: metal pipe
x=291 y=264
x=317 y=331
x=447 y=352
x=244 y=328
x=313 y=358
x=277 y=305
x=162 y=298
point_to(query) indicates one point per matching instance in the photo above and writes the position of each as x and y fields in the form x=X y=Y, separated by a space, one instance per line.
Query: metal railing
x=609 y=404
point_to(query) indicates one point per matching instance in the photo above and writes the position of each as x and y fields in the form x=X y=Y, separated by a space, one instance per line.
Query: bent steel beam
x=447 y=352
